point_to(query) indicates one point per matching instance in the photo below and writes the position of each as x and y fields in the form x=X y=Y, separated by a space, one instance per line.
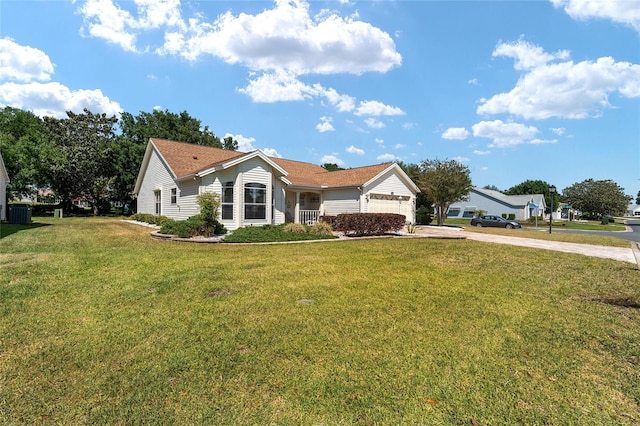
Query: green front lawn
x=100 y=324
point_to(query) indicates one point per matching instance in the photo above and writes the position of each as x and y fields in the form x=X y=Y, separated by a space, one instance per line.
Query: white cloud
x=278 y=87
x=455 y=133
x=353 y=150
x=542 y=141
x=332 y=159
x=473 y=81
x=621 y=11
x=409 y=125
x=379 y=140
x=373 y=123
x=287 y=37
x=504 y=134
x=23 y=63
x=375 y=108
x=325 y=125
x=461 y=159
x=399 y=146
x=558 y=130
x=527 y=55
x=54 y=99
x=21 y=66
x=106 y=20
x=271 y=152
x=565 y=89
x=386 y=157
x=343 y=103
x=478 y=152
x=245 y=144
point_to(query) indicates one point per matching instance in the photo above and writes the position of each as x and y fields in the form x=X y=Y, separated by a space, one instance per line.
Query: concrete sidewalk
x=615 y=253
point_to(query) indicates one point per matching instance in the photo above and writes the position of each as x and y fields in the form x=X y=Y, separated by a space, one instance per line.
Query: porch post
x=296 y=210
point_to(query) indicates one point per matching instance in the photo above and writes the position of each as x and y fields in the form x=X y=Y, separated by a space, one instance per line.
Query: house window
x=255 y=201
x=469 y=212
x=453 y=212
x=227 y=201
x=157 y=201
x=174 y=195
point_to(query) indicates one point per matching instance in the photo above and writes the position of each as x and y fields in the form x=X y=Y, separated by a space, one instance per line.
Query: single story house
x=4 y=181
x=256 y=189
x=496 y=203
x=633 y=210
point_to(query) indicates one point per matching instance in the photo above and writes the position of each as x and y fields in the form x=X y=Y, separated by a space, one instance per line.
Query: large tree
x=529 y=187
x=25 y=149
x=83 y=165
x=167 y=125
x=597 y=197
x=413 y=171
x=444 y=182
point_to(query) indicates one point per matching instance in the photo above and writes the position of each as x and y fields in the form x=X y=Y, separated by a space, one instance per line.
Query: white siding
x=278 y=194
x=389 y=183
x=3 y=197
x=156 y=177
x=339 y=201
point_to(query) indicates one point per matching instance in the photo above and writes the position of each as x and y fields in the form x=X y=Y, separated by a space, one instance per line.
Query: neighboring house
x=4 y=181
x=256 y=189
x=633 y=210
x=496 y=203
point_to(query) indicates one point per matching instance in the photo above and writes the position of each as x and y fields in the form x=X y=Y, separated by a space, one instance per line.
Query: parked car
x=495 y=221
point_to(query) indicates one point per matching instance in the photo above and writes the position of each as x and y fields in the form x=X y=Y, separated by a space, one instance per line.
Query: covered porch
x=302 y=206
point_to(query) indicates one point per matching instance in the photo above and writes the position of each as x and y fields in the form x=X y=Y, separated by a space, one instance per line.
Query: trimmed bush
x=512 y=216
x=359 y=224
x=424 y=215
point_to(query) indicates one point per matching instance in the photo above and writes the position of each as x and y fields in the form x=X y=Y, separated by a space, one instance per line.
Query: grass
x=100 y=324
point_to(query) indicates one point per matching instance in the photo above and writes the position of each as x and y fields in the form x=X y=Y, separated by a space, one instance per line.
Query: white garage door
x=391 y=204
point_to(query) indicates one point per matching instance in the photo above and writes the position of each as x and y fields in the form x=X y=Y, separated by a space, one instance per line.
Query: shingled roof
x=187 y=159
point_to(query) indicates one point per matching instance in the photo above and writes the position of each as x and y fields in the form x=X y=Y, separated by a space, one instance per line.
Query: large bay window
x=255 y=201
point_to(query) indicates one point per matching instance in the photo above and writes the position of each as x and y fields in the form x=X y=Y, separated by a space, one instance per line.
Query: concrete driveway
x=615 y=253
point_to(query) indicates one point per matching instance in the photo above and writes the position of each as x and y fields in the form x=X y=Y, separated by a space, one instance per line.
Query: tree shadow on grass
x=7 y=229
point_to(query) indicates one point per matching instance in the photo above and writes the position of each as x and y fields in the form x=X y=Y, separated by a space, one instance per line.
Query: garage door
x=379 y=203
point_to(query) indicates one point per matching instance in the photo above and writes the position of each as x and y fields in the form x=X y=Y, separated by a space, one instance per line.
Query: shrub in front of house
x=151 y=219
x=321 y=228
x=331 y=220
x=296 y=228
x=424 y=215
x=359 y=224
x=512 y=216
x=270 y=233
x=193 y=226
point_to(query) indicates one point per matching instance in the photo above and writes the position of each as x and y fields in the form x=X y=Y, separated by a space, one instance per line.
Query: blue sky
x=516 y=90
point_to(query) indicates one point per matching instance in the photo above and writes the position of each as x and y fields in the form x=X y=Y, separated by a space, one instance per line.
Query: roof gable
x=510 y=200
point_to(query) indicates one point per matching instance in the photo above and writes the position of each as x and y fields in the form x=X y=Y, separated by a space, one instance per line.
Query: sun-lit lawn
x=99 y=324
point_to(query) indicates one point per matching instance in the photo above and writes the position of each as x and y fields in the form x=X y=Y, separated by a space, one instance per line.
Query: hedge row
x=358 y=224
